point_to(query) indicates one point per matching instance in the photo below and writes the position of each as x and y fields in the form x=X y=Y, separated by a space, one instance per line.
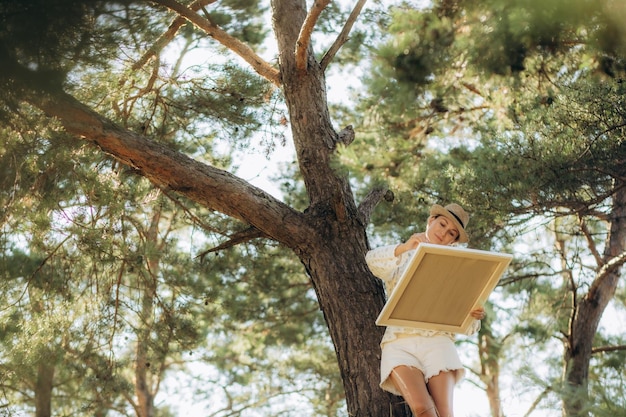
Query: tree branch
x=169 y=34
x=371 y=200
x=608 y=268
x=346 y=136
x=262 y=67
x=547 y=390
x=567 y=275
x=601 y=349
x=515 y=279
x=237 y=238
x=211 y=187
x=343 y=36
x=304 y=38
x=590 y=243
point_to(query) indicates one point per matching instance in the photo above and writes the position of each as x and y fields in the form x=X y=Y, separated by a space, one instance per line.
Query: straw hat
x=456 y=214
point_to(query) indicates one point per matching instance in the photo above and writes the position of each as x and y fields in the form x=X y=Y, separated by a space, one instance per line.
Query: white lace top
x=388 y=267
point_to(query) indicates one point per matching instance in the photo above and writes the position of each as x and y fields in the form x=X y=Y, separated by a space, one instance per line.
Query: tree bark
x=350 y=299
x=589 y=310
x=349 y=295
x=46 y=363
x=489 y=350
x=43 y=388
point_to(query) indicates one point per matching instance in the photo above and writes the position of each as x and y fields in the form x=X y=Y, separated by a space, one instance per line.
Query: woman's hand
x=478 y=313
x=411 y=243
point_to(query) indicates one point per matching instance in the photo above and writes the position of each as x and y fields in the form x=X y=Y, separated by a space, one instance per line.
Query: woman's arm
x=411 y=243
x=383 y=261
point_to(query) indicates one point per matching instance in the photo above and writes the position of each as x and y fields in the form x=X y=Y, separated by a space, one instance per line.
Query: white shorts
x=429 y=354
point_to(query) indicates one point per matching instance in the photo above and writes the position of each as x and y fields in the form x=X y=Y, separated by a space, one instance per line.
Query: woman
x=421 y=365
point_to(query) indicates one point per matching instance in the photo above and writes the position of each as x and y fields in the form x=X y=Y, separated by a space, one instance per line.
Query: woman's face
x=441 y=231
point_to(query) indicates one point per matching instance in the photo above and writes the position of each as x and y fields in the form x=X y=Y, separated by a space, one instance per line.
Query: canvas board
x=441 y=286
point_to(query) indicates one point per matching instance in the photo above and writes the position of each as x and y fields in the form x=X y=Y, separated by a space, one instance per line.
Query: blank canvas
x=441 y=286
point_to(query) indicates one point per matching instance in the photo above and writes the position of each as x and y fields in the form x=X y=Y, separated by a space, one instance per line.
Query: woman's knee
x=441 y=389
x=410 y=382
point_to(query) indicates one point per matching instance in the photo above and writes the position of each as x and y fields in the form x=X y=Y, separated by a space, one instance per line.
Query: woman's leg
x=441 y=388
x=410 y=382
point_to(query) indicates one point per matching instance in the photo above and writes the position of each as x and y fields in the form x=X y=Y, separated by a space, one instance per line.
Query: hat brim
x=437 y=210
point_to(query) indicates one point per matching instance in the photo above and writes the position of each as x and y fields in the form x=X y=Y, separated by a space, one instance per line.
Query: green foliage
x=241 y=18
x=36 y=30
x=513 y=31
x=83 y=248
x=608 y=381
x=268 y=331
x=422 y=41
x=571 y=152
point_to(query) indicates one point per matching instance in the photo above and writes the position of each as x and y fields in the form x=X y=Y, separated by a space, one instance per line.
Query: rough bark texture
x=589 y=311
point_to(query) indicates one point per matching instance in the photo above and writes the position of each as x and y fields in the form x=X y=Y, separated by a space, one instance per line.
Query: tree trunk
x=349 y=295
x=46 y=366
x=43 y=388
x=350 y=298
x=589 y=311
x=489 y=350
x=144 y=390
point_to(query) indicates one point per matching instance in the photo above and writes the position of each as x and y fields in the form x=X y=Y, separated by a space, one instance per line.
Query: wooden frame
x=440 y=287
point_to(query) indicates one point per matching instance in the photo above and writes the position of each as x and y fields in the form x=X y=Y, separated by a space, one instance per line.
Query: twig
x=590 y=243
x=535 y=403
x=262 y=67
x=608 y=349
x=239 y=237
x=168 y=35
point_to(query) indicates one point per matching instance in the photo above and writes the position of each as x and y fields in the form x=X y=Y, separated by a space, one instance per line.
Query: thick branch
x=608 y=268
x=304 y=38
x=211 y=187
x=207 y=185
x=343 y=36
x=262 y=67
